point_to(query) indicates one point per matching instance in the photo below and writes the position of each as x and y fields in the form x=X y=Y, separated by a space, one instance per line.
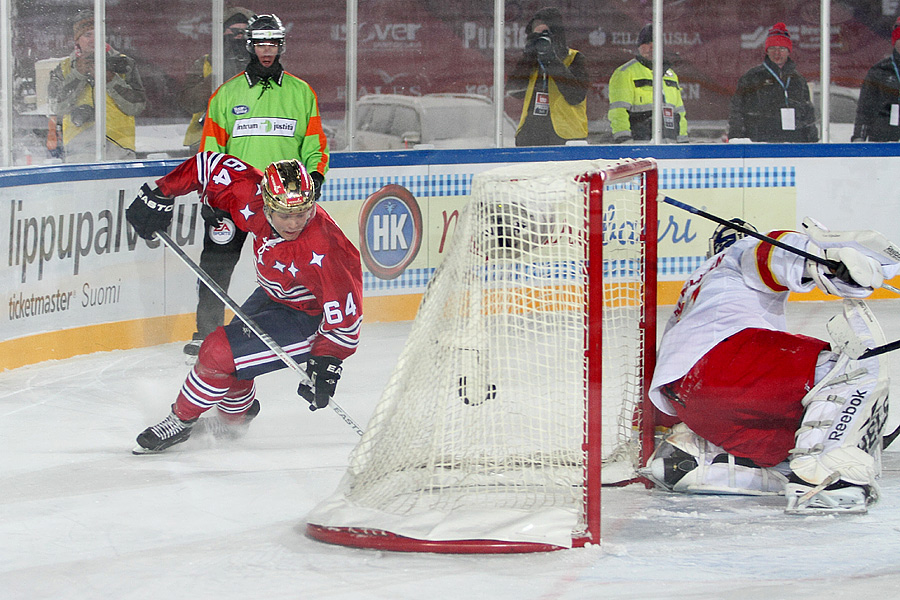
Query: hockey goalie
x=762 y=410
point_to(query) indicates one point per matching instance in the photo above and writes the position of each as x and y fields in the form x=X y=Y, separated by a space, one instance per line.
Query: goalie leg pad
x=854 y=330
x=686 y=463
x=845 y=414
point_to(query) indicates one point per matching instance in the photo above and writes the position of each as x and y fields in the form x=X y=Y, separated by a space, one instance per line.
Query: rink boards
x=78 y=280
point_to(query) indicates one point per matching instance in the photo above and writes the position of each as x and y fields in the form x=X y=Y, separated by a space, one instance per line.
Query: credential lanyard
x=784 y=85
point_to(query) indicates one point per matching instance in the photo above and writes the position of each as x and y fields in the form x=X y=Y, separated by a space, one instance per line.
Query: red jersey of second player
x=319 y=273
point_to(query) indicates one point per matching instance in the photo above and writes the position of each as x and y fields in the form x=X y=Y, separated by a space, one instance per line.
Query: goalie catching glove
x=856 y=275
x=864 y=259
x=324 y=373
x=150 y=212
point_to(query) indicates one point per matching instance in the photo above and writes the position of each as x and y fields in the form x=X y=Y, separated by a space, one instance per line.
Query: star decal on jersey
x=317 y=259
x=279 y=266
x=247 y=212
x=293 y=270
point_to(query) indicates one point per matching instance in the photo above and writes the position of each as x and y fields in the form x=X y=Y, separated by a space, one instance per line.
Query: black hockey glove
x=319 y=181
x=324 y=371
x=150 y=212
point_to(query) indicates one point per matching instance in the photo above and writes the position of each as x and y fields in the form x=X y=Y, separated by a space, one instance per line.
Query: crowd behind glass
x=574 y=73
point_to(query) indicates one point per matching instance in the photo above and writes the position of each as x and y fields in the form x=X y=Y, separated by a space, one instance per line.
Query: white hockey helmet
x=724 y=236
x=264 y=29
x=287 y=187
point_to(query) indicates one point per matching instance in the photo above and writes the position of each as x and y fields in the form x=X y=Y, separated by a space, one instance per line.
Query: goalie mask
x=287 y=187
x=724 y=236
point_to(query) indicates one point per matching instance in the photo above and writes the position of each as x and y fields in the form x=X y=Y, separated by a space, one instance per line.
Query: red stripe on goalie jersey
x=745 y=394
x=319 y=273
x=764 y=263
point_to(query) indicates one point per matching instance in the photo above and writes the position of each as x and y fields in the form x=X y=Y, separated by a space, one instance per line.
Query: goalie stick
x=254 y=327
x=831 y=264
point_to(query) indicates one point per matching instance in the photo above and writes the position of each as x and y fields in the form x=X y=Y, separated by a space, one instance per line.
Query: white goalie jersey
x=747 y=286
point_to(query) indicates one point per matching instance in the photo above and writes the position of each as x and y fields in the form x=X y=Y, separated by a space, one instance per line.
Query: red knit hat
x=779 y=36
x=895 y=35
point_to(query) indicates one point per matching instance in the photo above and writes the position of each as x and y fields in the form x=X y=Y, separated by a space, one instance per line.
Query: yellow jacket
x=631 y=103
x=569 y=121
x=119 y=125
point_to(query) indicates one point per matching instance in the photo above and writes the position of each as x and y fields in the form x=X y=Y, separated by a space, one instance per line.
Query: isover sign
x=390 y=231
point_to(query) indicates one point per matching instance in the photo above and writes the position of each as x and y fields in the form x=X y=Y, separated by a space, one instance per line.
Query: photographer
x=553 y=81
x=71 y=93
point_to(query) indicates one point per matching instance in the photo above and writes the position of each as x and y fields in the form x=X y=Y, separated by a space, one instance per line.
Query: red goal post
x=523 y=385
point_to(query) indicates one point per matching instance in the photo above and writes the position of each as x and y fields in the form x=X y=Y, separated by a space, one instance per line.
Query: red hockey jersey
x=319 y=273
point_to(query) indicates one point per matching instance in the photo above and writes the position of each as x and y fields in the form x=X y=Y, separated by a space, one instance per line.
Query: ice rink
x=83 y=518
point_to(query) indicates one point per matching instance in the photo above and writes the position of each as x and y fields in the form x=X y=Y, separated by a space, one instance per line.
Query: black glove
x=82 y=114
x=324 y=371
x=150 y=212
x=213 y=216
x=319 y=181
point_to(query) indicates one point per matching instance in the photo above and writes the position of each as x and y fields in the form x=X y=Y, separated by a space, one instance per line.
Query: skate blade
x=139 y=450
x=837 y=502
x=826 y=510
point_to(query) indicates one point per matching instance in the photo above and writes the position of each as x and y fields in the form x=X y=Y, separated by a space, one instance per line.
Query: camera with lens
x=543 y=43
x=117 y=64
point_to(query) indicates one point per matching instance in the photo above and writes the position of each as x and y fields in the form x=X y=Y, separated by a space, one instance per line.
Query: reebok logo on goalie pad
x=847 y=415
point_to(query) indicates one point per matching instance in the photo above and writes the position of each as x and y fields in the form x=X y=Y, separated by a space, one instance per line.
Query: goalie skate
x=840 y=498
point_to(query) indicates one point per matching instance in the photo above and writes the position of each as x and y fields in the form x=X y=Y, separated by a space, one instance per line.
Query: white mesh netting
x=481 y=430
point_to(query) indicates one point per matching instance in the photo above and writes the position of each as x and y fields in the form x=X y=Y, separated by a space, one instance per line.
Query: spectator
x=770 y=411
x=197 y=89
x=71 y=94
x=878 y=112
x=553 y=81
x=631 y=98
x=311 y=308
x=278 y=119
x=771 y=103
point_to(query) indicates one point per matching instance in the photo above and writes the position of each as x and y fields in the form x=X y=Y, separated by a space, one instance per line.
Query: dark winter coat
x=880 y=90
x=757 y=103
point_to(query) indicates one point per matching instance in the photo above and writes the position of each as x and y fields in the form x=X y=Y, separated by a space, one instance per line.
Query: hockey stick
x=889 y=438
x=831 y=264
x=254 y=327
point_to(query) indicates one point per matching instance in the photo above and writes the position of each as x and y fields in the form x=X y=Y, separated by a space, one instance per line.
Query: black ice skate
x=165 y=434
x=222 y=428
x=192 y=348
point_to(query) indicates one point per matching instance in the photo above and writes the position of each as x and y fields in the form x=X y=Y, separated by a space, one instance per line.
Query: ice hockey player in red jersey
x=762 y=410
x=309 y=298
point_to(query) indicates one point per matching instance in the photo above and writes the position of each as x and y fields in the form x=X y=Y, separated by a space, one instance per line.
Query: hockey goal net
x=524 y=377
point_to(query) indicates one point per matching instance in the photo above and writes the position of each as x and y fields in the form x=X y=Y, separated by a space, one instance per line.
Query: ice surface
x=82 y=518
